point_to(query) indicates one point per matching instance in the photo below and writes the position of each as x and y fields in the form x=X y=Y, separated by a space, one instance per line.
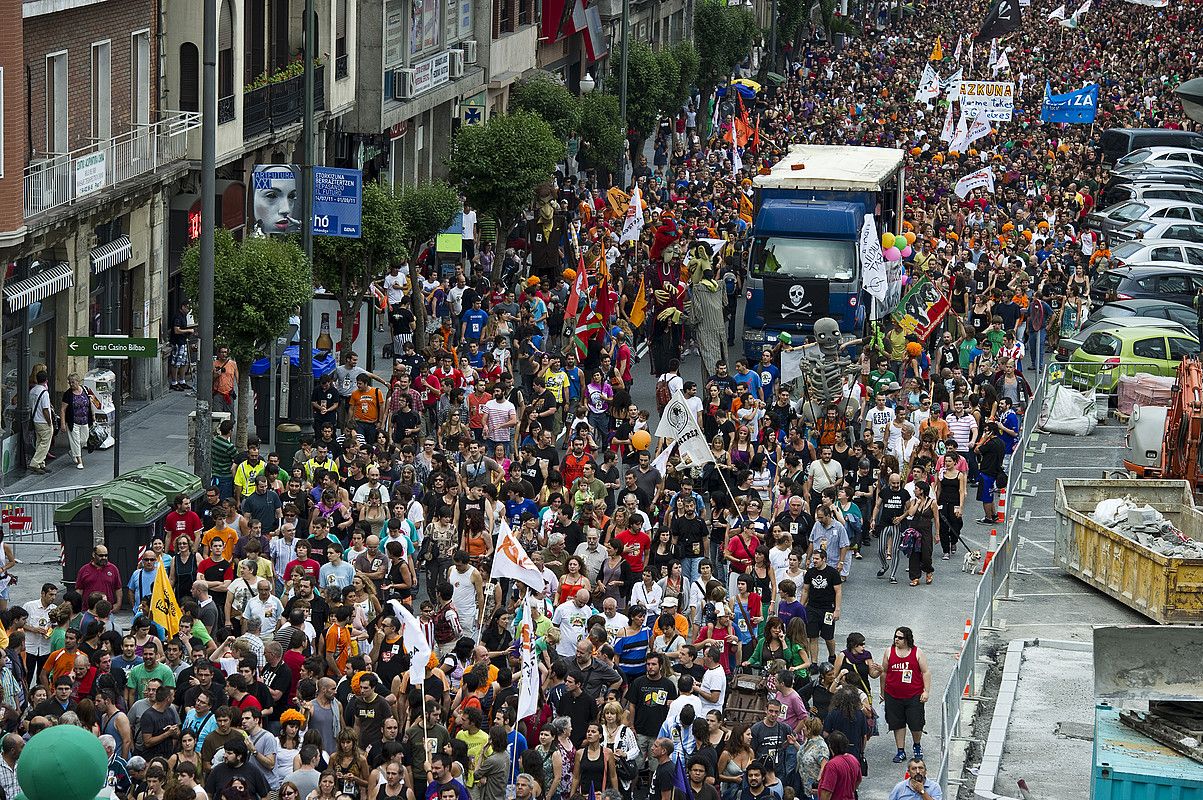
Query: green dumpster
x=166 y=480
x=288 y=442
x=132 y=514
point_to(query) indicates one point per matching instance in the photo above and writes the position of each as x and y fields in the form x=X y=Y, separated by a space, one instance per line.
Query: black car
x=1147 y=307
x=1115 y=143
x=1174 y=282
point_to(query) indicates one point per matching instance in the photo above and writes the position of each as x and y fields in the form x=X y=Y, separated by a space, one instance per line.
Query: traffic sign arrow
x=113 y=346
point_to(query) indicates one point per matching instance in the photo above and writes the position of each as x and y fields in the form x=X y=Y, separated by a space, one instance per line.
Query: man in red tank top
x=905 y=684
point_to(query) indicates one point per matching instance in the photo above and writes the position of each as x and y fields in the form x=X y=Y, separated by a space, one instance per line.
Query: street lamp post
x=301 y=404
x=202 y=459
x=622 y=90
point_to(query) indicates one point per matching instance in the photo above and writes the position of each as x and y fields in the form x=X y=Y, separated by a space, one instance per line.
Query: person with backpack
x=367 y=407
x=43 y=421
x=669 y=384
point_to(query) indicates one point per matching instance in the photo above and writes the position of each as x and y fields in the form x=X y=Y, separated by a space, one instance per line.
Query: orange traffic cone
x=1000 y=507
x=991 y=551
x=965 y=637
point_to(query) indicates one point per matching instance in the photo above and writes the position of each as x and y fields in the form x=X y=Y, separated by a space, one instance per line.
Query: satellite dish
x=1191 y=95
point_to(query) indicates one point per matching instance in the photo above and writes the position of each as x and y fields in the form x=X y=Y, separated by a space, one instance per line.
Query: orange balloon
x=910 y=237
x=640 y=440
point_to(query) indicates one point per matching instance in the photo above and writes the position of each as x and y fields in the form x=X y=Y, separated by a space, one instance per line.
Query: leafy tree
x=828 y=12
x=600 y=132
x=425 y=211
x=257 y=285
x=791 y=16
x=645 y=89
x=728 y=32
x=670 y=81
x=347 y=267
x=687 y=58
x=498 y=165
x=542 y=94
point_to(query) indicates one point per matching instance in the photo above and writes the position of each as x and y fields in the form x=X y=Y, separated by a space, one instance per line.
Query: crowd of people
x=669 y=590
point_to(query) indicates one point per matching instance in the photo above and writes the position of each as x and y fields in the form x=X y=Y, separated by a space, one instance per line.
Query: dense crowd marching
x=663 y=584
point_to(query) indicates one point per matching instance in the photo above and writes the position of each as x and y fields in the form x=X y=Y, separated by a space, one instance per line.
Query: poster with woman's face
x=276 y=199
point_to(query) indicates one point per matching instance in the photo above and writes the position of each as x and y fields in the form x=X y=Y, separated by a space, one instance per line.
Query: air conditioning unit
x=403 y=84
x=455 y=67
x=469 y=47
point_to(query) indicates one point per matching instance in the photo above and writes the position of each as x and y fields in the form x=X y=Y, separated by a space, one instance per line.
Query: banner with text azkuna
x=994 y=98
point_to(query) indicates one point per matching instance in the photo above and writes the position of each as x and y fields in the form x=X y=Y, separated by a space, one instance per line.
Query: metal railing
x=28 y=517
x=52 y=181
x=995 y=579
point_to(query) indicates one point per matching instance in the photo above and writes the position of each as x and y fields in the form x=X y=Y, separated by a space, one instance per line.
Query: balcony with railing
x=279 y=103
x=53 y=180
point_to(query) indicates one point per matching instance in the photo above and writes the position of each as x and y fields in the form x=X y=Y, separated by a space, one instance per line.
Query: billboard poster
x=337 y=202
x=921 y=309
x=275 y=199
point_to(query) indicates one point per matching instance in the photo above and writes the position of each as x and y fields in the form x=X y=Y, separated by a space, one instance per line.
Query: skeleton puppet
x=824 y=369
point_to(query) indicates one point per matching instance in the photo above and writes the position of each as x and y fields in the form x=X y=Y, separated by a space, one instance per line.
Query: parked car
x=1115 y=143
x=1068 y=344
x=1171 y=281
x=1111 y=219
x=1164 y=171
x=1148 y=229
x=1152 y=190
x=1105 y=355
x=1162 y=155
x=1147 y=307
x=1140 y=251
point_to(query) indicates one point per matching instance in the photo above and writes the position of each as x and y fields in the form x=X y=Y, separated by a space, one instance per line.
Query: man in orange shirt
x=220 y=530
x=367 y=408
x=60 y=662
x=338 y=642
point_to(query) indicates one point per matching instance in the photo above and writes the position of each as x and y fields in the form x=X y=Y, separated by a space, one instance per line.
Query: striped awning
x=40 y=286
x=109 y=254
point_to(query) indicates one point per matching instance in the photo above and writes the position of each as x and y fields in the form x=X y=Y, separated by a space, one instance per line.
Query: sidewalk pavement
x=154 y=432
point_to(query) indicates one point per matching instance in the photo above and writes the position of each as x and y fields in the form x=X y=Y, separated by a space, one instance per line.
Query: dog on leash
x=972 y=558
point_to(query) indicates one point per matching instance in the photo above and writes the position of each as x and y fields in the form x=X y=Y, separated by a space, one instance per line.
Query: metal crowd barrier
x=28 y=517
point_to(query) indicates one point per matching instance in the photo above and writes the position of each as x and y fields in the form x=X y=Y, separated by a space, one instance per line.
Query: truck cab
x=805 y=256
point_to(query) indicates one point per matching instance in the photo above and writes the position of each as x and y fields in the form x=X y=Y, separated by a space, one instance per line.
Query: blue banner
x=337 y=202
x=1078 y=106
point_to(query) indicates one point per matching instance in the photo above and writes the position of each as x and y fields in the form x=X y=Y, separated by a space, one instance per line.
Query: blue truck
x=804 y=262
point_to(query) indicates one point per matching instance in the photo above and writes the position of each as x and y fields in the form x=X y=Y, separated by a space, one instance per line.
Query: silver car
x=1161 y=229
x=1139 y=251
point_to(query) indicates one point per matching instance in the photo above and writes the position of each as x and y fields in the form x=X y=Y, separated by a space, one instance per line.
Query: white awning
x=40 y=286
x=107 y=255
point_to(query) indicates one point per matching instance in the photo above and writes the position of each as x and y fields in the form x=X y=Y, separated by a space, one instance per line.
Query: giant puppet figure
x=547 y=236
x=669 y=297
x=705 y=309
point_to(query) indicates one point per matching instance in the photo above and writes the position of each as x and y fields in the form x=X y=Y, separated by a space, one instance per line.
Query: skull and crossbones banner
x=791 y=303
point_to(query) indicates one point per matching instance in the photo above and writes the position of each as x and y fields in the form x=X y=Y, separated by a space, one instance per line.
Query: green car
x=1109 y=353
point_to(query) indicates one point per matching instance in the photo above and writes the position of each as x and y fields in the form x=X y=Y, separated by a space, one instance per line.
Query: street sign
x=112 y=347
x=337 y=202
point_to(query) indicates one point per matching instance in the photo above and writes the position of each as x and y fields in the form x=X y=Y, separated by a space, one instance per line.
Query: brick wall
x=13 y=119
x=75 y=31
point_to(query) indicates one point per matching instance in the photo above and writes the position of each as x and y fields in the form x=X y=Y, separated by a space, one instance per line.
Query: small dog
x=972 y=557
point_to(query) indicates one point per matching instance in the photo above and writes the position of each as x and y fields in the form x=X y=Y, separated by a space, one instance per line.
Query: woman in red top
x=905 y=683
x=840 y=774
x=303 y=561
x=573 y=580
x=741 y=549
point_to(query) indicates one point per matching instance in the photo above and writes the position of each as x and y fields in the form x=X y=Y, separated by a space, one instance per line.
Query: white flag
x=661 y=462
x=511 y=561
x=874 y=265
x=528 y=678
x=632 y=224
x=960 y=140
x=982 y=179
x=952 y=84
x=791 y=360
x=737 y=163
x=979 y=128
x=1056 y=13
x=993 y=53
x=929 y=85
x=679 y=424
x=1151 y=3
x=947 y=132
x=1082 y=9
x=415 y=642
x=1003 y=63
x=956 y=56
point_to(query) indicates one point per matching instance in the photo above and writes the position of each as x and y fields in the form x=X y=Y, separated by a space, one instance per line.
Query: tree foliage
x=346 y=267
x=542 y=94
x=645 y=88
x=728 y=32
x=258 y=284
x=687 y=61
x=426 y=210
x=830 y=19
x=498 y=165
x=600 y=131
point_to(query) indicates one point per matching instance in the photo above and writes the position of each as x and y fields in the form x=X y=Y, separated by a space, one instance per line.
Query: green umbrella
x=775 y=78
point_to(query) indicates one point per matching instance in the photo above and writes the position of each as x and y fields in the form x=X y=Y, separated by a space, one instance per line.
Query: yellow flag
x=639 y=307
x=937 y=52
x=164 y=608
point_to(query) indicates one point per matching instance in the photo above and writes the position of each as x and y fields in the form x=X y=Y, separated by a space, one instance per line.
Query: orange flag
x=639 y=307
x=937 y=51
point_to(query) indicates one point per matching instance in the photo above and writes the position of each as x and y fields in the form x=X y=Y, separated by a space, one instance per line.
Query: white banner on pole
x=528 y=678
x=996 y=98
x=679 y=424
x=983 y=178
x=874 y=264
x=632 y=224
